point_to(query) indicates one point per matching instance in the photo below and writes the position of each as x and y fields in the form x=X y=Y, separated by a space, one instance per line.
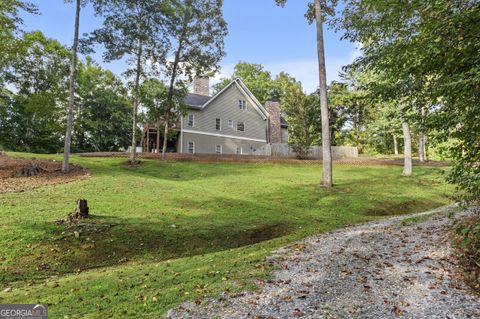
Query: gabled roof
x=200 y=102
x=196 y=100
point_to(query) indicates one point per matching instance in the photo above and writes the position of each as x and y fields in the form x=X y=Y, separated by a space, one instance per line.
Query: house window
x=218 y=149
x=191 y=120
x=242 y=105
x=191 y=147
x=230 y=123
x=241 y=126
x=239 y=151
x=218 y=124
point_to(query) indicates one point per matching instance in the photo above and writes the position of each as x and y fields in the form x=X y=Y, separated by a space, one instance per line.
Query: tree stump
x=31 y=170
x=81 y=212
x=82 y=209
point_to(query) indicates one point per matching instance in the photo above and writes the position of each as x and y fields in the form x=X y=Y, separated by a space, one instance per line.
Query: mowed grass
x=168 y=232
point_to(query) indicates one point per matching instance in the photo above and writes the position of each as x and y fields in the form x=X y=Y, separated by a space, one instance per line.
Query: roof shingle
x=196 y=101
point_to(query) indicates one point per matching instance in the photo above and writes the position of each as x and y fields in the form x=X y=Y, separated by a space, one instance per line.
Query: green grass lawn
x=168 y=232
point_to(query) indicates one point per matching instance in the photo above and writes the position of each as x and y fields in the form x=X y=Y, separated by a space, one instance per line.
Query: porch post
x=181 y=134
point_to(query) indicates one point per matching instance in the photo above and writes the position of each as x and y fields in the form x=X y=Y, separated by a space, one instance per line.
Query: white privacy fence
x=285 y=150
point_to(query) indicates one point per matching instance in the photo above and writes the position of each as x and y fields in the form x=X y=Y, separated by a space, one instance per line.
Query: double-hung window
x=239 y=151
x=241 y=126
x=230 y=123
x=218 y=149
x=191 y=147
x=218 y=124
x=242 y=105
x=191 y=120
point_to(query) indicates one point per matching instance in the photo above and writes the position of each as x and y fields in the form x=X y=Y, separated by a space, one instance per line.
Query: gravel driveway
x=400 y=267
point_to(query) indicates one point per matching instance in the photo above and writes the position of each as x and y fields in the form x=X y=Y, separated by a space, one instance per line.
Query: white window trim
x=241 y=150
x=193 y=120
x=221 y=149
x=244 y=126
x=216 y=124
x=224 y=135
x=188 y=148
x=238 y=83
x=242 y=105
x=231 y=124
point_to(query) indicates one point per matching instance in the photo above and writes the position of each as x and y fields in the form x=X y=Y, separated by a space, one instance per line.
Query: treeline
x=357 y=116
x=49 y=99
x=34 y=101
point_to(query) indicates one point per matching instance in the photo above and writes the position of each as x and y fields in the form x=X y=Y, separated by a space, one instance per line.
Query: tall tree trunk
x=71 y=99
x=326 y=148
x=395 y=144
x=425 y=147
x=142 y=139
x=421 y=147
x=407 y=168
x=173 y=76
x=133 y=152
x=148 y=140
x=158 y=139
x=165 y=138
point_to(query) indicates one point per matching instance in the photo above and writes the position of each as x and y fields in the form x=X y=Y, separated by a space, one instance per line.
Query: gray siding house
x=231 y=122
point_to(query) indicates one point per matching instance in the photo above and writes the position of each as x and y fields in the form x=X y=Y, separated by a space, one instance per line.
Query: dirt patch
x=48 y=172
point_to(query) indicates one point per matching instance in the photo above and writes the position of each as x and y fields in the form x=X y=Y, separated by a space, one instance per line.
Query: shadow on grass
x=391 y=208
x=172 y=171
x=103 y=241
x=196 y=224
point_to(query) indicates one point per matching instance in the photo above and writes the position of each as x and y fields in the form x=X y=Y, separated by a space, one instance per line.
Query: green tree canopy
x=103 y=118
x=301 y=113
x=134 y=30
x=10 y=30
x=39 y=75
x=428 y=49
x=260 y=81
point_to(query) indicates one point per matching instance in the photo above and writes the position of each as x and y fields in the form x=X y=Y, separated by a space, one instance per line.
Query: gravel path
x=385 y=269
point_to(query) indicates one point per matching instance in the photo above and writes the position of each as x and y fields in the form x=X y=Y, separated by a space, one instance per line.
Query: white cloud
x=305 y=71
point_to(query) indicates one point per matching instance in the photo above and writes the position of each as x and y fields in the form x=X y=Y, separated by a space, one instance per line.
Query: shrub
x=302 y=151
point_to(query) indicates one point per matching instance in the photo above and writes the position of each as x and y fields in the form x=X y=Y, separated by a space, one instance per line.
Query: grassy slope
x=130 y=260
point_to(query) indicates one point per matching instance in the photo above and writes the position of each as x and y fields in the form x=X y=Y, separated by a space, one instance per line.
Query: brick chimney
x=274 y=124
x=201 y=85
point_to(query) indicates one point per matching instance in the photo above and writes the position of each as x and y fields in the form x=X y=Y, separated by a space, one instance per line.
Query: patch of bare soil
x=22 y=174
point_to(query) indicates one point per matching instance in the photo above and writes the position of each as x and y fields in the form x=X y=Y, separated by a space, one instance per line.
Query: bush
x=302 y=151
x=466 y=240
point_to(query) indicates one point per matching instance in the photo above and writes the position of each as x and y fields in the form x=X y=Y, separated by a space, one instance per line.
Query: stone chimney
x=274 y=123
x=201 y=85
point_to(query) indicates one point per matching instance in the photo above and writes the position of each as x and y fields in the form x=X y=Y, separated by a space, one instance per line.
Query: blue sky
x=259 y=32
